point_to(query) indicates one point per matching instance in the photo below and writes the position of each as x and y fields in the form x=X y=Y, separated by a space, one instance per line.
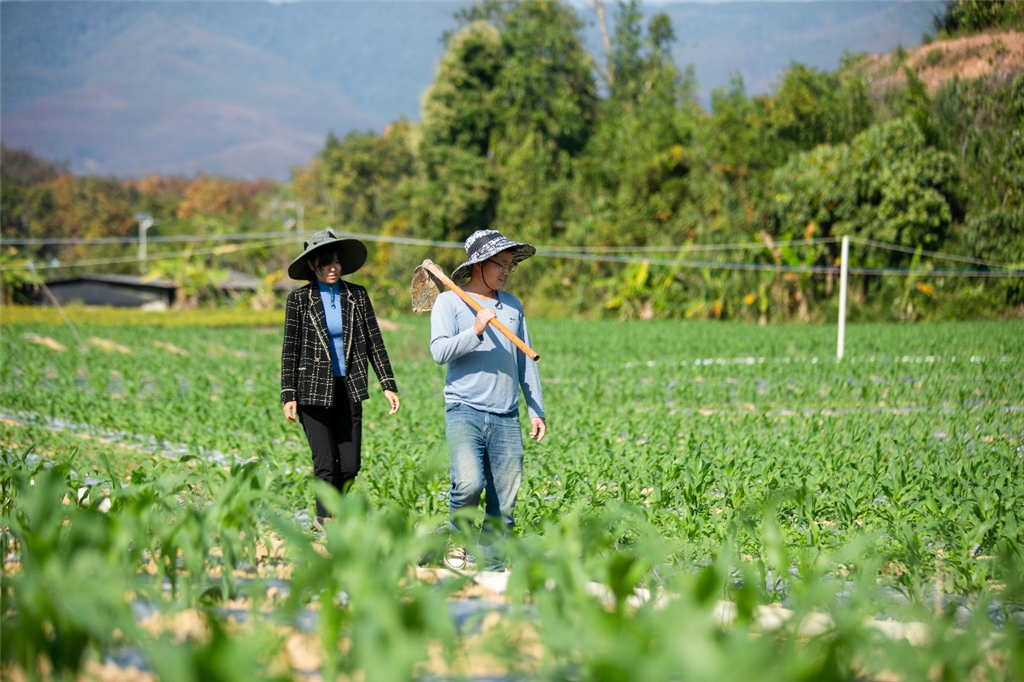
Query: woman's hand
x=289 y=410
x=538 y=427
x=482 y=318
x=393 y=399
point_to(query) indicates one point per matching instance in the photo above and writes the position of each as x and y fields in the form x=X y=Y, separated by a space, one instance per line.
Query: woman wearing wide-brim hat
x=330 y=334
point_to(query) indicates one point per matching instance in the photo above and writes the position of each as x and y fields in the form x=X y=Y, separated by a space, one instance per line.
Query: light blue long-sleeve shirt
x=335 y=325
x=484 y=372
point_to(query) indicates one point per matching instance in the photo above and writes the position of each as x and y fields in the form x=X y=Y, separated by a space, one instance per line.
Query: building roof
x=130 y=280
x=235 y=281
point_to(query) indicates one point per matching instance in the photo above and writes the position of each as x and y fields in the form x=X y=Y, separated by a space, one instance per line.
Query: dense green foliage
x=525 y=131
x=644 y=166
x=698 y=462
x=887 y=184
x=970 y=16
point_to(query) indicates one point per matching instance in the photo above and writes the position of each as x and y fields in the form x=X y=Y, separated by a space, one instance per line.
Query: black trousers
x=335 y=438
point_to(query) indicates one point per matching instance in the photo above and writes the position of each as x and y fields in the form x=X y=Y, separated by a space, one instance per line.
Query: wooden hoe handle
x=471 y=302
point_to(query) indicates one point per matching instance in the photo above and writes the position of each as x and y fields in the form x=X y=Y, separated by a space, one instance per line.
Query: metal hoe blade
x=425 y=289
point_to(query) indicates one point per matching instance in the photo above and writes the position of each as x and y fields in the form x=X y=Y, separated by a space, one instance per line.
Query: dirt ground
x=1000 y=54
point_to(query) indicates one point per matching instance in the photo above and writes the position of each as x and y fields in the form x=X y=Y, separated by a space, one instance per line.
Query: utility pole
x=145 y=222
x=297 y=220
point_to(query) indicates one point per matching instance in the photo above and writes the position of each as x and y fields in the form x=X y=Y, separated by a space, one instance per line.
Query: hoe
x=427 y=279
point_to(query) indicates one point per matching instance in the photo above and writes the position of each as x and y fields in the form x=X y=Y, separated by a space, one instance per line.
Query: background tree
x=887 y=184
x=544 y=114
x=24 y=198
x=812 y=107
x=981 y=122
x=208 y=196
x=158 y=195
x=456 y=193
x=637 y=163
x=627 y=53
x=972 y=16
x=362 y=172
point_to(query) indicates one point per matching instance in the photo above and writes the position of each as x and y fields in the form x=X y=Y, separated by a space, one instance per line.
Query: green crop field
x=713 y=501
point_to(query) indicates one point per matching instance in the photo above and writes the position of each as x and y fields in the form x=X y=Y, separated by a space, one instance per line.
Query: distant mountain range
x=249 y=89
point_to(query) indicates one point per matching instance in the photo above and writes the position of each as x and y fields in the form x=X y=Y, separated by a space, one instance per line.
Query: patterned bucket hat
x=484 y=244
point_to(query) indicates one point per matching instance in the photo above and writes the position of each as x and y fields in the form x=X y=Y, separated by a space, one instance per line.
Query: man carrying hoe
x=485 y=372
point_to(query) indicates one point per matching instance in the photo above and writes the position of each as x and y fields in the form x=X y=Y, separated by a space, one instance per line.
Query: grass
x=687 y=465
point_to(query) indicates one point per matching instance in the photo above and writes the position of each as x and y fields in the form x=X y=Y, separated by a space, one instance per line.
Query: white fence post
x=145 y=222
x=842 y=298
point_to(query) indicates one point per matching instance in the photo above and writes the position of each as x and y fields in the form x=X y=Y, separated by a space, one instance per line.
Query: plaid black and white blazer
x=307 y=375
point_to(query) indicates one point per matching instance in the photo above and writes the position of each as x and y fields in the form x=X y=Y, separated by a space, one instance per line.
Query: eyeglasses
x=507 y=269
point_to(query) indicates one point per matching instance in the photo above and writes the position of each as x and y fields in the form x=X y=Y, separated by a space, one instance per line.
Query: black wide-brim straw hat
x=485 y=244
x=352 y=256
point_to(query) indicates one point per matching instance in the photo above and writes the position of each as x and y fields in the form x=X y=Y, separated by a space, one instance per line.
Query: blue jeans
x=486 y=453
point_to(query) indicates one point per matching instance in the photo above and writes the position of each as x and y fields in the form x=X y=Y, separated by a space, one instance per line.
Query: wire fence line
x=932 y=254
x=608 y=254
x=239 y=236
x=776 y=267
x=135 y=259
x=193 y=238
x=738 y=246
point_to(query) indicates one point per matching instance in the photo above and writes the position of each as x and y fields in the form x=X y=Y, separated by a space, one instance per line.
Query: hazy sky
x=247 y=88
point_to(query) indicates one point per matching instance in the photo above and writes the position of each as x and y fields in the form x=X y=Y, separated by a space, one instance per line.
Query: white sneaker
x=457 y=558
